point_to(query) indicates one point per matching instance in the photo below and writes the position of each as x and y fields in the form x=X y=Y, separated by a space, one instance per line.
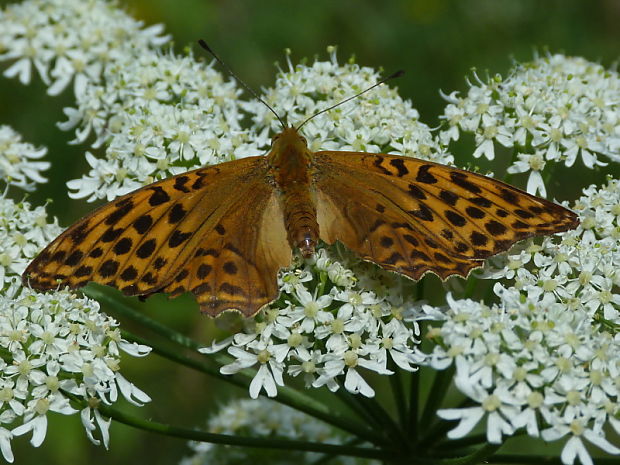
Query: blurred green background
x=436 y=42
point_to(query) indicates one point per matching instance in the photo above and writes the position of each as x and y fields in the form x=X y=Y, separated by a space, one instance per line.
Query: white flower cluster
x=53 y=343
x=552 y=109
x=265 y=418
x=158 y=115
x=155 y=113
x=325 y=325
x=24 y=231
x=378 y=121
x=582 y=271
x=18 y=165
x=546 y=358
x=69 y=40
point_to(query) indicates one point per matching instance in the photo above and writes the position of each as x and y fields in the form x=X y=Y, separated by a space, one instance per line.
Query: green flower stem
x=438 y=390
x=385 y=422
x=377 y=415
x=326 y=459
x=205 y=436
x=470 y=287
x=396 y=383
x=414 y=403
x=287 y=396
x=352 y=403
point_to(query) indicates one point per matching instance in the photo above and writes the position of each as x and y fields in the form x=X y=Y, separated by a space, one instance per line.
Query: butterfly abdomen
x=300 y=220
x=290 y=162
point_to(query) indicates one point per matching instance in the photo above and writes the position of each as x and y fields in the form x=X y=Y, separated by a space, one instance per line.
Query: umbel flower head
x=545 y=357
x=554 y=109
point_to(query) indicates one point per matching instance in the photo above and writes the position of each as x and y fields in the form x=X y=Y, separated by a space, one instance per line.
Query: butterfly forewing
x=142 y=241
x=414 y=216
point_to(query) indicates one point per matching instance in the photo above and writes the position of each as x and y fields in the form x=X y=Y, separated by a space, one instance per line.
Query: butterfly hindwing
x=237 y=262
x=414 y=216
x=141 y=241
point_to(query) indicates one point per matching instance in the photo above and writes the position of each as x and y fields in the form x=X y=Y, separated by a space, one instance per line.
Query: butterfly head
x=288 y=141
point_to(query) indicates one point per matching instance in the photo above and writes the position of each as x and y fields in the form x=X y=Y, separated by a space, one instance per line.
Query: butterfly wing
x=144 y=241
x=413 y=216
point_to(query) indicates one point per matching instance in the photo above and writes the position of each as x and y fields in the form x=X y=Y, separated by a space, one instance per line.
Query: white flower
x=18 y=165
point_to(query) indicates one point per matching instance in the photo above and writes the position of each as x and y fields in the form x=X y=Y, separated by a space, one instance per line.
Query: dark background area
x=436 y=42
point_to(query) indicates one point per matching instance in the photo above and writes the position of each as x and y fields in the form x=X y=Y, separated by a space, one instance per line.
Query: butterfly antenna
x=389 y=78
x=204 y=45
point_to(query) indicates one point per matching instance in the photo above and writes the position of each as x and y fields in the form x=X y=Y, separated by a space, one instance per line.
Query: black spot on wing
x=74 y=258
x=478 y=239
x=108 y=268
x=416 y=192
x=111 y=234
x=424 y=213
x=158 y=196
x=495 y=228
x=182 y=275
x=122 y=209
x=79 y=233
x=82 y=271
x=231 y=289
x=143 y=223
x=146 y=249
x=123 y=246
x=461 y=179
x=449 y=197
x=509 y=196
x=425 y=176
x=480 y=201
x=129 y=274
x=230 y=268
x=399 y=164
x=177 y=238
x=203 y=271
x=455 y=218
x=95 y=253
x=179 y=183
x=475 y=212
x=176 y=214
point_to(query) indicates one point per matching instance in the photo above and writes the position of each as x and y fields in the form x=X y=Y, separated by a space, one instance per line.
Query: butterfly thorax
x=290 y=164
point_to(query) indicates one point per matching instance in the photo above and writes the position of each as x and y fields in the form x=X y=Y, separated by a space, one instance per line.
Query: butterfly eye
x=304 y=140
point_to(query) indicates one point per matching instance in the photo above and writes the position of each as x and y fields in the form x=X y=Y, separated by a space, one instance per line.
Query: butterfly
x=223 y=232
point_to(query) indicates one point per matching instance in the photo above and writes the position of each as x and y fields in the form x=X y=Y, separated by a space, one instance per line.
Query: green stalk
x=414 y=402
x=379 y=418
x=396 y=383
x=440 y=386
x=205 y=436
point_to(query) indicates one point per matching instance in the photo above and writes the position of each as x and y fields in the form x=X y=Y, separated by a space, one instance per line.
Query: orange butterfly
x=223 y=232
